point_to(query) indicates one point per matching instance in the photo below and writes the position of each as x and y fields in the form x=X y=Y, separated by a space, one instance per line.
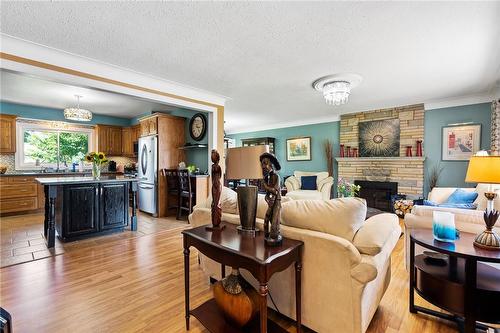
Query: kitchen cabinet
x=130 y=135
x=113 y=212
x=109 y=139
x=80 y=213
x=18 y=194
x=149 y=126
x=7 y=133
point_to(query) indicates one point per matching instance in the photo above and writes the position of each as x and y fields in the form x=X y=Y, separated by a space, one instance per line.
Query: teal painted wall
x=198 y=156
x=453 y=174
x=317 y=132
x=37 y=112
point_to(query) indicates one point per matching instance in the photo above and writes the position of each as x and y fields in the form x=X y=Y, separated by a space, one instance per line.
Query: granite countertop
x=60 y=173
x=83 y=180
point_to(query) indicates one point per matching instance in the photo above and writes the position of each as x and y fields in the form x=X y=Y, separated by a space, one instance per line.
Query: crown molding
x=458 y=101
x=30 y=52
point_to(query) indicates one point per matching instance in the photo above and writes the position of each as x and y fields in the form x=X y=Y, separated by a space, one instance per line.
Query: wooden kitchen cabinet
x=149 y=126
x=7 y=133
x=109 y=139
x=18 y=194
x=130 y=135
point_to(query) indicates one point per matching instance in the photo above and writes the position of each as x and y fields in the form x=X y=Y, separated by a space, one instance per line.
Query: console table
x=228 y=247
x=463 y=285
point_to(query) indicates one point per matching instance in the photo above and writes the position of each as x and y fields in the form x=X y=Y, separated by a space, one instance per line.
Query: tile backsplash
x=9 y=161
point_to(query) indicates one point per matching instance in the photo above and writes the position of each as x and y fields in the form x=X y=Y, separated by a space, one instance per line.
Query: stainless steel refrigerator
x=147 y=173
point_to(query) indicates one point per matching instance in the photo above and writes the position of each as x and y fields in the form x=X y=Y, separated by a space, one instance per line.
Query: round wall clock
x=198 y=126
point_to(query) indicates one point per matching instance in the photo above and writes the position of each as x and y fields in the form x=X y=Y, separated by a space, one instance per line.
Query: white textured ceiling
x=30 y=90
x=265 y=55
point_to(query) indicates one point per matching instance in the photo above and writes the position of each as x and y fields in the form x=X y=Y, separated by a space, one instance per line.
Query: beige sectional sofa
x=346 y=260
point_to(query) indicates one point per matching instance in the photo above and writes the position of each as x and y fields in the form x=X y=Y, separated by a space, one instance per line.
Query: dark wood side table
x=464 y=285
x=230 y=248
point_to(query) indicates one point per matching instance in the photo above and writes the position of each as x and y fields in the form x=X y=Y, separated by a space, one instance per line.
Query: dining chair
x=172 y=182
x=186 y=195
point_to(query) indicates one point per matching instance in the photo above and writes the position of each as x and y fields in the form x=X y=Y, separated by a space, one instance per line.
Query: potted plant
x=97 y=160
x=346 y=189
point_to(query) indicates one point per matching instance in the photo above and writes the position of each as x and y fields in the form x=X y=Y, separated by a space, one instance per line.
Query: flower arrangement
x=97 y=159
x=346 y=189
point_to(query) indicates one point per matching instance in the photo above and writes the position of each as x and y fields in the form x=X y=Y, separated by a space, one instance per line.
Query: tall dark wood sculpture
x=216 y=192
x=271 y=184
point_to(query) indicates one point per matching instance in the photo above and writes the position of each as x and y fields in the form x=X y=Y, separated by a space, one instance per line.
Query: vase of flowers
x=346 y=189
x=97 y=160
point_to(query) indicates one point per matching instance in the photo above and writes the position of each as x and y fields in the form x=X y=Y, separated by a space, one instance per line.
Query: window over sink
x=51 y=144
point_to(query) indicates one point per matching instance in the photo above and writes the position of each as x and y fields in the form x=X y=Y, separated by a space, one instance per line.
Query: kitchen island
x=83 y=206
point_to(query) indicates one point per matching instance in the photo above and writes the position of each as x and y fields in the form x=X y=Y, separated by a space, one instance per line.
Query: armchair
x=324 y=185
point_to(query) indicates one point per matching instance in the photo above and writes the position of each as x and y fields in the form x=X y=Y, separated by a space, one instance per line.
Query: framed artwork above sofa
x=460 y=142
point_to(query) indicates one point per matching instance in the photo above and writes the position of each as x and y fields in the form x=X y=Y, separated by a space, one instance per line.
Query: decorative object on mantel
x=485 y=169
x=337 y=88
x=237 y=299
x=244 y=163
x=354 y=152
x=328 y=146
x=408 y=151
x=379 y=138
x=341 y=153
x=216 y=192
x=271 y=183
x=348 y=151
x=460 y=141
x=346 y=189
x=298 y=149
x=97 y=160
x=419 y=148
x=77 y=113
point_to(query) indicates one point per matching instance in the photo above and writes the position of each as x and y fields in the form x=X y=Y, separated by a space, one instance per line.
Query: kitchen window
x=51 y=144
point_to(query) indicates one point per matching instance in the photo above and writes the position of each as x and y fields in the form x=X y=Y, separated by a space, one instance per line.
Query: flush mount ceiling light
x=77 y=113
x=337 y=88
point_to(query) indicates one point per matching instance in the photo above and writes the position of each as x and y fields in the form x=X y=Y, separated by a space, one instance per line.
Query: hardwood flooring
x=136 y=285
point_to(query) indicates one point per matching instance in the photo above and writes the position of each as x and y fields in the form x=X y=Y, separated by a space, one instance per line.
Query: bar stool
x=172 y=181
x=186 y=195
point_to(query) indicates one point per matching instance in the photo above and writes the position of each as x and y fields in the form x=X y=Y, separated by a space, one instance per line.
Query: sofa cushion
x=450 y=205
x=372 y=236
x=309 y=183
x=441 y=194
x=304 y=195
x=338 y=217
x=461 y=197
x=262 y=205
x=228 y=201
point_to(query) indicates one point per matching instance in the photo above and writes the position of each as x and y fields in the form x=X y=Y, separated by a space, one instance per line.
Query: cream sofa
x=466 y=220
x=346 y=260
x=323 y=182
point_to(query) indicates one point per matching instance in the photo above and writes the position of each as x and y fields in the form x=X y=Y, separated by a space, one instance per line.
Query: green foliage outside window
x=42 y=146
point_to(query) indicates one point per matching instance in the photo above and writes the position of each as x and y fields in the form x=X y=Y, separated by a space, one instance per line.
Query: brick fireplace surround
x=408 y=172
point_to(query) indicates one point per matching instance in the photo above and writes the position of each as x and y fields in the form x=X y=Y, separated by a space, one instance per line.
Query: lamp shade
x=483 y=169
x=244 y=162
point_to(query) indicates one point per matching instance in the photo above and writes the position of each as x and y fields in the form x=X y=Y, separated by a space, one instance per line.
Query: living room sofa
x=324 y=185
x=346 y=260
x=466 y=220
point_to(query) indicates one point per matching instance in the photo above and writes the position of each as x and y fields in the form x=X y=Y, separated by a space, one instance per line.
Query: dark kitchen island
x=83 y=206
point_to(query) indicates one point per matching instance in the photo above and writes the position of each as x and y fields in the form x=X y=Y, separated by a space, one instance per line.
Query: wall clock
x=198 y=126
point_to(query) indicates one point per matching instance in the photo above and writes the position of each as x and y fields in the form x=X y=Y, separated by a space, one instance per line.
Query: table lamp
x=244 y=163
x=486 y=170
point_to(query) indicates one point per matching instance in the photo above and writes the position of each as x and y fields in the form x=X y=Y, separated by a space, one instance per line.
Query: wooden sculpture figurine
x=216 y=192
x=271 y=184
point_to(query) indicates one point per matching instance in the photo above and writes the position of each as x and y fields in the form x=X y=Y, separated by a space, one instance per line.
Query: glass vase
x=96 y=171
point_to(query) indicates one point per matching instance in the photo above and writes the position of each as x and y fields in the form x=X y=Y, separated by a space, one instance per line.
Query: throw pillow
x=309 y=183
x=461 y=197
x=451 y=205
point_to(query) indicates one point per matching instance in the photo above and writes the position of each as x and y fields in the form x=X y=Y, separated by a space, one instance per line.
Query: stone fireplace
x=406 y=172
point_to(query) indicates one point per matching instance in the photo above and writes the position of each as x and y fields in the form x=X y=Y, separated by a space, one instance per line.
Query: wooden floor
x=136 y=285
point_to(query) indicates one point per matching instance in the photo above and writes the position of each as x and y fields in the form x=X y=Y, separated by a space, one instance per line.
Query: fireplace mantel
x=380 y=159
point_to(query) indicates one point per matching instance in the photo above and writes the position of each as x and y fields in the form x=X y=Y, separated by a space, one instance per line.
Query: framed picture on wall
x=298 y=149
x=460 y=142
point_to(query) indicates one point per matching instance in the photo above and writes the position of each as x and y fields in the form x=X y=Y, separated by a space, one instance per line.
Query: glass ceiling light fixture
x=337 y=88
x=77 y=113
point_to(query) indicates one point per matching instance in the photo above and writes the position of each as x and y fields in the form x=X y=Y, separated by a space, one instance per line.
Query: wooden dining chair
x=172 y=182
x=186 y=195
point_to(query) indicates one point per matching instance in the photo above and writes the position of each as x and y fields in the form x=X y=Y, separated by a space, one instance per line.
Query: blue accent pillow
x=308 y=183
x=461 y=197
x=449 y=205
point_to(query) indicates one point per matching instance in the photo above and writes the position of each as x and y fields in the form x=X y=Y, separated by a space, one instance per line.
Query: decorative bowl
x=3 y=169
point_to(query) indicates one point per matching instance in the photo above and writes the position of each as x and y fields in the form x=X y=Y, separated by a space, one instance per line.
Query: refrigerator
x=147 y=174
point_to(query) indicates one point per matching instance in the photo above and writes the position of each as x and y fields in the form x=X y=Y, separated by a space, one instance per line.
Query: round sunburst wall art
x=379 y=138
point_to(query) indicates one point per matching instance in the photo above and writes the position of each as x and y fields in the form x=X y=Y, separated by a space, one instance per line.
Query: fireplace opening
x=377 y=194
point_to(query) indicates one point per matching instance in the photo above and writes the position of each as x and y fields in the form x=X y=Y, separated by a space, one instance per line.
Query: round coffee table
x=463 y=284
